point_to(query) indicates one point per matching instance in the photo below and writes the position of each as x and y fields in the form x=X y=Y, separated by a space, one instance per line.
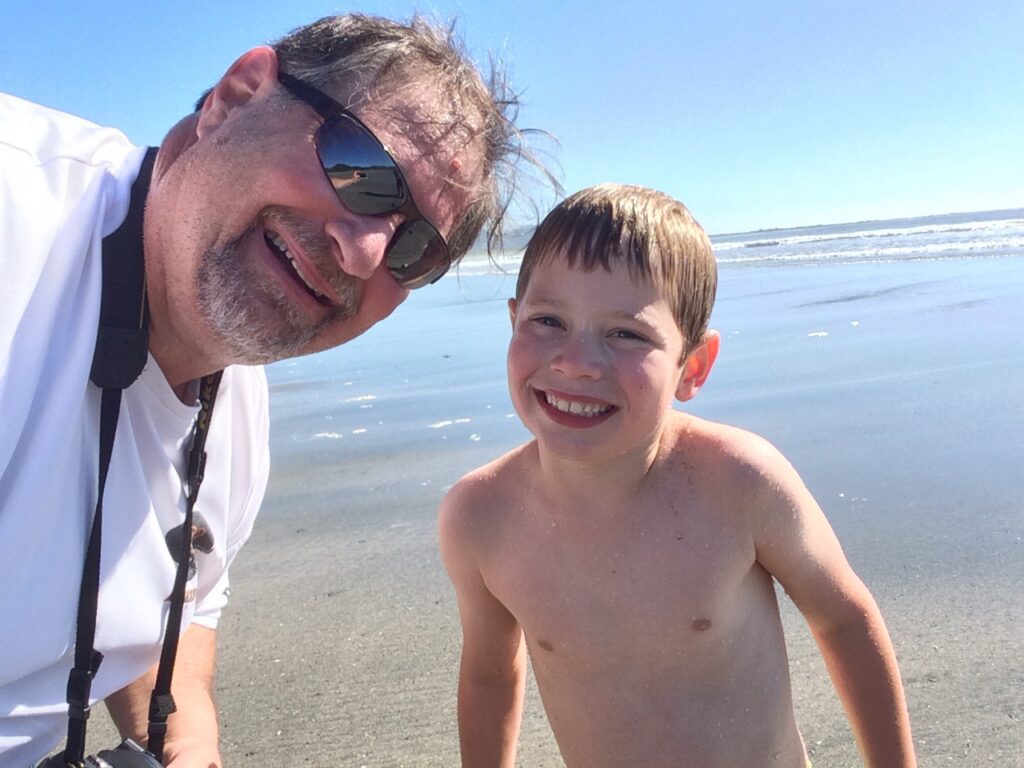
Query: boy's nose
x=360 y=242
x=579 y=358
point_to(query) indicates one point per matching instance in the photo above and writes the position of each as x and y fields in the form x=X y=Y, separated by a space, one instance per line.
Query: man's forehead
x=408 y=120
x=424 y=111
x=437 y=154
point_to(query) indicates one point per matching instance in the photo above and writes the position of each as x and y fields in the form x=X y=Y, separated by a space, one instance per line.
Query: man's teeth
x=579 y=409
x=280 y=244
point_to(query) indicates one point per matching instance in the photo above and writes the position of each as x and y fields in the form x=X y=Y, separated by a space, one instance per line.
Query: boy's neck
x=598 y=484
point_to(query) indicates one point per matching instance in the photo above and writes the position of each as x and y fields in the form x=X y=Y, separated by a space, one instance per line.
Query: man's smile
x=302 y=271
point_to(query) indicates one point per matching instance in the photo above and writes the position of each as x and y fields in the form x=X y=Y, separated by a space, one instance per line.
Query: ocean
x=984 y=234
x=988 y=234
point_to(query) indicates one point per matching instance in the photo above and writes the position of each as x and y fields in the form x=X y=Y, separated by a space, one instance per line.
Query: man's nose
x=360 y=242
x=579 y=357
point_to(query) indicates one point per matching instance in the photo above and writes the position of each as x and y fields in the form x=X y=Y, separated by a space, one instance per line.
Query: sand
x=894 y=389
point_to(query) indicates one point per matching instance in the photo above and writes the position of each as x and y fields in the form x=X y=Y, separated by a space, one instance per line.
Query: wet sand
x=893 y=388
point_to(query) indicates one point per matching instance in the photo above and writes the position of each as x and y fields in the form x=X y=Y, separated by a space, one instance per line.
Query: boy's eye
x=622 y=333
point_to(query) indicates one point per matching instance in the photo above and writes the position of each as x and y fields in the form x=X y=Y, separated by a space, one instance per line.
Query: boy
x=633 y=547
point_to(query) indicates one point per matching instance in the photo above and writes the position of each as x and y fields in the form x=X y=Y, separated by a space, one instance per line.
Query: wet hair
x=367 y=59
x=654 y=235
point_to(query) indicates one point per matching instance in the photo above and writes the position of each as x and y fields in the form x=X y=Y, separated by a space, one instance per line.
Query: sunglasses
x=368 y=182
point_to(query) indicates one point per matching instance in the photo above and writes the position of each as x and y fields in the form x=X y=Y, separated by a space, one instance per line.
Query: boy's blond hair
x=654 y=234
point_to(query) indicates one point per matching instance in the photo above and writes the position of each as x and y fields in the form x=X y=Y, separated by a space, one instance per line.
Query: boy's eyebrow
x=629 y=316
x=543 y=302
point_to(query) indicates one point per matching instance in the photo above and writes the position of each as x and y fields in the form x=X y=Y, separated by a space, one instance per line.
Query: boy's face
x=596 y=360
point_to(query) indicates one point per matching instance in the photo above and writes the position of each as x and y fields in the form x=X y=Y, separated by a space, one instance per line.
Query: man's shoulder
x=42 y=136
x=63 y=180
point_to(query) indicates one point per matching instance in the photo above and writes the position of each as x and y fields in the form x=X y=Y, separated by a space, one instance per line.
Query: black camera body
x=127 y=754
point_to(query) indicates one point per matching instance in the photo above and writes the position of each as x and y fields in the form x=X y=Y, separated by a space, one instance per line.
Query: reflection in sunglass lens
x=417 y=255
x=363 y=174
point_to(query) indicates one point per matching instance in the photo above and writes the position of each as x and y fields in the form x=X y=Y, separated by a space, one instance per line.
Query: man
x=316 y=184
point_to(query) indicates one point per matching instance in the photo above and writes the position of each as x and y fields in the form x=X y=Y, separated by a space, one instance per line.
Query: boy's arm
x=796 y=545
x=492 y=671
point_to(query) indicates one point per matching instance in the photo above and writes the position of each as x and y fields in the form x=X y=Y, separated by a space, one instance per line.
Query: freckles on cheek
x=638 y=372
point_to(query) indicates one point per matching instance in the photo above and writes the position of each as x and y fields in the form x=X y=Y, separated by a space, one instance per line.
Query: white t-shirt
x=64 y=185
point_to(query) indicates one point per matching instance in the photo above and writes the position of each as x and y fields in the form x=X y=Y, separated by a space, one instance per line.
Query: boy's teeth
x=576 y=408
x=280 y=244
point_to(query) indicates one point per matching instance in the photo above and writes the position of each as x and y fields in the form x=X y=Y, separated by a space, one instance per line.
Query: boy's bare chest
x=657 y=584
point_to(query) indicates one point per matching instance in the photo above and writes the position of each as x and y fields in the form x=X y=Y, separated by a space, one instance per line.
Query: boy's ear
x=698 y=365
x=253 y=74
x=512 y=312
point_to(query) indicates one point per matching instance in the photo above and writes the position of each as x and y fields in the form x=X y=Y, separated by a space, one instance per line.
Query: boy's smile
x=573 y=410
x=594 y=356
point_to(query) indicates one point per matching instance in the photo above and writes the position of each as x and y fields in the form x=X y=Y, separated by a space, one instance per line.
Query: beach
x=893 y=386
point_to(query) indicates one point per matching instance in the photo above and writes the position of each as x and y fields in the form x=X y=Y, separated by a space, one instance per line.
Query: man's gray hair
x=368 y=57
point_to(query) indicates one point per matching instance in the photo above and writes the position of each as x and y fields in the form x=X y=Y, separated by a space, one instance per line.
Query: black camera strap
x=122 y=347
x=161 y=703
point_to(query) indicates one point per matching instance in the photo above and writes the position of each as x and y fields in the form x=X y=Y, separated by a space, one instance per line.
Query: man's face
x=272 y=263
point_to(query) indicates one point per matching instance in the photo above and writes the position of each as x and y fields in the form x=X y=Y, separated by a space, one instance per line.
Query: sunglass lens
x=417 y=255
x=363 y=174
x=367 y=182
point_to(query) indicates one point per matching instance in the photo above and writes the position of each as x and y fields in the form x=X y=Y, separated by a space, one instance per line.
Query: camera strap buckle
x=80 y=686
x=161 y=706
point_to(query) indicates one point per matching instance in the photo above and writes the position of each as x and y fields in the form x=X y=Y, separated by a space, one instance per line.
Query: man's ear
x=697 y=366
x=512 y=312
x=254 y=74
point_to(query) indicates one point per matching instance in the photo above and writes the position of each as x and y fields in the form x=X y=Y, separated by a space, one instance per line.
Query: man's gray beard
x=250 y=312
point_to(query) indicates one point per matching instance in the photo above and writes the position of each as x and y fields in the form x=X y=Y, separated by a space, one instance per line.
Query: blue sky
x=755 y=114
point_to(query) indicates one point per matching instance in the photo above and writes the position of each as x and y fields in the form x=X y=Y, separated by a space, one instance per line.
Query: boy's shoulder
x=472 y=511
x=496 y=482
x=741 y=458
